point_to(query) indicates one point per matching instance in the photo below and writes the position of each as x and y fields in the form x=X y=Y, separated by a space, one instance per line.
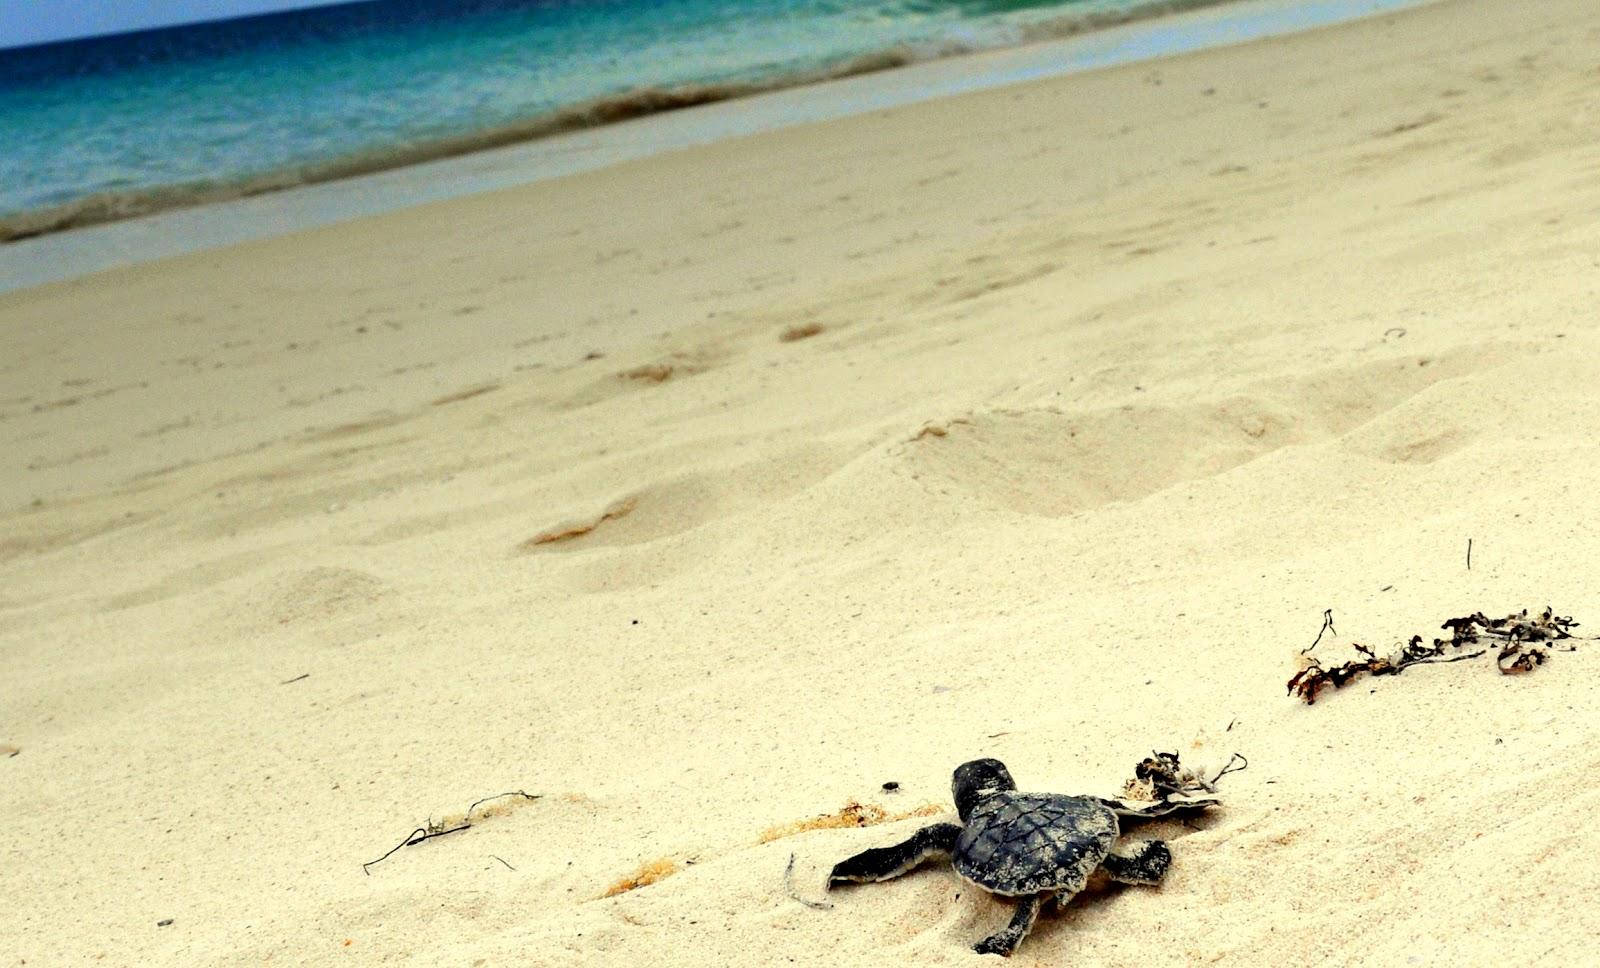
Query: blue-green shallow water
x=65 y=255
x=98 y=129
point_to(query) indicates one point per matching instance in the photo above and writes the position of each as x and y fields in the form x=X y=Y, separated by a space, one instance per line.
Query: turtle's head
x=977 y=779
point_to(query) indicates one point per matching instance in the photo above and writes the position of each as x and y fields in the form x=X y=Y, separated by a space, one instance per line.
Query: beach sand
x=706 y=494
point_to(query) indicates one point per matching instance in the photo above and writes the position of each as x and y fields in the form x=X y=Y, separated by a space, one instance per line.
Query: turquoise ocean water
x=99 y=129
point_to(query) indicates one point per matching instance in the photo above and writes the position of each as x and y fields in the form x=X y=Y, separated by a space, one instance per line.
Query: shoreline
x=445 y=170
x=594 y=112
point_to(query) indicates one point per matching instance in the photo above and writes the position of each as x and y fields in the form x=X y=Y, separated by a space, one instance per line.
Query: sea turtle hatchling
x=1027 y=846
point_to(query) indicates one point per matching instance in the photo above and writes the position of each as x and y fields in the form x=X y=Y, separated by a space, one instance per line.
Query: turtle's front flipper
x=1146 y=864
x=1005 y=942
x=882 y=863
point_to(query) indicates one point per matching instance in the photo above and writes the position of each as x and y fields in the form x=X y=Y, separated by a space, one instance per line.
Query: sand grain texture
x=1109 y=385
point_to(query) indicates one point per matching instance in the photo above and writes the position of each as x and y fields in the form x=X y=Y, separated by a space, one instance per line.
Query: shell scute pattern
x=1024 y=843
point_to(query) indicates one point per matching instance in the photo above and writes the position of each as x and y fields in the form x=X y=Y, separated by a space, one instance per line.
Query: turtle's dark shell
x=1024 y=843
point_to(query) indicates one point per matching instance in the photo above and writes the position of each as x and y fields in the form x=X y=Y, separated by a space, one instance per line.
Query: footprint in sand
x=573 y=528
x=666 y=527
x=311 y=594
x=674 y=367
x=1053 y=463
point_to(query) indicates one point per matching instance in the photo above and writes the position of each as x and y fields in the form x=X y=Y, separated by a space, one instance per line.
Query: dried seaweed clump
x=1511 y=637
x=1159 y=777
x=647 y=874
x=852 y=814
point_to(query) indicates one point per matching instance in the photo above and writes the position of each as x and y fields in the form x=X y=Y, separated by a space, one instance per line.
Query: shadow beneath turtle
x=1063 y=921
x=1080 y=911
x=1166 y=828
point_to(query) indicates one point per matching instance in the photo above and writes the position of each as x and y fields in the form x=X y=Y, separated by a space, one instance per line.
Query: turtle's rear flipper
x=882 y=863
x=1005 y=942
x=1147 y=866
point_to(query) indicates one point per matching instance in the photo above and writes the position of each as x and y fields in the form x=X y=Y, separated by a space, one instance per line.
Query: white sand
x=1214 y=344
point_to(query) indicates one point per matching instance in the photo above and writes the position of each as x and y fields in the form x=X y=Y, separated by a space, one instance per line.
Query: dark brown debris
x=796 y=333
x=650 y=373
x=1163 y=772
x=1514 y=660
x=1159 y=778
x=1512 y=636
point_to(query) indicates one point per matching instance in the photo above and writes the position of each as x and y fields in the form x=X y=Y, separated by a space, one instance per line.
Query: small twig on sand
x=432 y=830
x=414 y=837
x=303 y=675
x=1327 y=626
x=1469 y=554
x=1229 y=767
x=503 y=861
x=497 y=796
x=788 y=888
